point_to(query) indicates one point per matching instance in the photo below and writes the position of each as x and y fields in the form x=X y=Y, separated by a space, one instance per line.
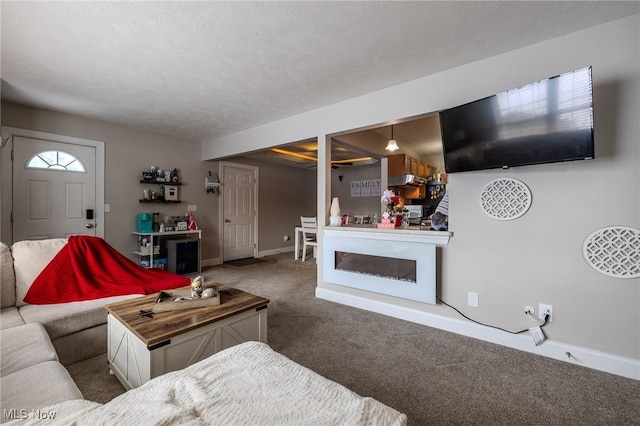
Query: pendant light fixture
x=392 y=145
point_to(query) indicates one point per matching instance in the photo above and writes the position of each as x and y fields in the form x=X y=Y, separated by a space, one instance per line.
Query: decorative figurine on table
x=210 y=292
x=196 y=287
x=192 y=226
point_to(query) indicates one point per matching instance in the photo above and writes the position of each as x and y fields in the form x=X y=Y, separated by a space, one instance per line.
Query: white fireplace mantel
x=410 y=235
x=396 y=262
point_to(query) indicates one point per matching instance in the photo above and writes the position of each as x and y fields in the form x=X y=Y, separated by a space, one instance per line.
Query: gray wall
x=127 y=153
x=537 y=258
x=342 y=190
x=284 y=193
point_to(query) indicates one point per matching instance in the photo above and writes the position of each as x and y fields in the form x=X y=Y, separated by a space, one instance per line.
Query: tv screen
x=543 y=122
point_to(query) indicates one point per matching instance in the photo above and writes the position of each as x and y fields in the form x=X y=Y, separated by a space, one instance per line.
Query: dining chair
x=308 y=238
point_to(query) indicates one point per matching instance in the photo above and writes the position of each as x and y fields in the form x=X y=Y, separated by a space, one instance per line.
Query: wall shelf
x=155 y=182
x=163 y=190
x=161 y=201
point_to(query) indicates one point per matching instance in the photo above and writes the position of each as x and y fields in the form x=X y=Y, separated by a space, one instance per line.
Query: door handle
x=89 y=225
x=227 y=220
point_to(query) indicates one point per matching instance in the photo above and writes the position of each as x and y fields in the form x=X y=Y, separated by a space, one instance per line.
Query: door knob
x=89 y=225
x=227 y=220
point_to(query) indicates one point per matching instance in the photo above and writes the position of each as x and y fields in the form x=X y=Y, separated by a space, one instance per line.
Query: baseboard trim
x=625 y=367
x=274 y=251
x=210 y=262
x=218 y=261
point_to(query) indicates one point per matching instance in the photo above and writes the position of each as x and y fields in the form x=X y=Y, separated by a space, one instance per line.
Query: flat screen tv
x=543 y=122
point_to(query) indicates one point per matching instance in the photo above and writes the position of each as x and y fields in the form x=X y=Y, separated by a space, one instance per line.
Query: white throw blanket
x=248 y=384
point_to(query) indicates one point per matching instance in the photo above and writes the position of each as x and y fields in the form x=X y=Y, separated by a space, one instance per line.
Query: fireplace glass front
x=376 y=266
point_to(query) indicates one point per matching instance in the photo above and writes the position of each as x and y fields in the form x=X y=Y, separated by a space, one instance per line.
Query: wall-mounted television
x=543 y=122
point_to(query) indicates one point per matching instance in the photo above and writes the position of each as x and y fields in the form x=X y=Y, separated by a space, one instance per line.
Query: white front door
x=54 y=189
x=239 y=211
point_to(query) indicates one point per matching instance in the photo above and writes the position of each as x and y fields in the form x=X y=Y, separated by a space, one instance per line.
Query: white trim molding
x=621 y=366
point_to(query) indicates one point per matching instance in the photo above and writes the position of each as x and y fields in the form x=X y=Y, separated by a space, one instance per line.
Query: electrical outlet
x=107 y=208
x=544 y=308
x=286 y=238
x=529 y=310
x=192 y=208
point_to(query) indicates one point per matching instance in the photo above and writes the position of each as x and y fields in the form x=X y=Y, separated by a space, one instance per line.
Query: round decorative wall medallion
x=614 y=251
x=505 y=199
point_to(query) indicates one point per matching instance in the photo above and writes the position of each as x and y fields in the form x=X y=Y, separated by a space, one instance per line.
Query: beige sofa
x=37 y=340
x=248 y=383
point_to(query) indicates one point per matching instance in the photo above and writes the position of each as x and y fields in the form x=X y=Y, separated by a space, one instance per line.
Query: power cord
x=544 y=322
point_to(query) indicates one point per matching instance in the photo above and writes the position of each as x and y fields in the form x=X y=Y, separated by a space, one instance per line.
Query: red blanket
x=88 y=268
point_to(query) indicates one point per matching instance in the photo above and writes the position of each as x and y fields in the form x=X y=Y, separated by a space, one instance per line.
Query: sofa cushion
x=62 y=319
x=37 y=387
x=29 y=259
x=82 y=345
x=24 y=346
x=7 y=278
x=10 y=317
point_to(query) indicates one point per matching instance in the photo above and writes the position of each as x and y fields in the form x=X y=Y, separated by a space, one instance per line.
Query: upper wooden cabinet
x=402 y=164
x=398 y=165
x=423 y=170
x=413 y=166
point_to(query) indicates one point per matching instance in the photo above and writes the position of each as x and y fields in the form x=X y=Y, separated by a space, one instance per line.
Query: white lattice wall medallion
x=614 y=251
x=505 y=199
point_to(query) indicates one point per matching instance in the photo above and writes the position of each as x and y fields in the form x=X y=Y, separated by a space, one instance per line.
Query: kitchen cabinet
x=413 y=166
x=402 y=164
x=415 y=193
x=423 y=170
x=397 y=165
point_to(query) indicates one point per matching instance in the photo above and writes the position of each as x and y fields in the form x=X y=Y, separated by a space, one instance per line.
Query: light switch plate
x=472 y=299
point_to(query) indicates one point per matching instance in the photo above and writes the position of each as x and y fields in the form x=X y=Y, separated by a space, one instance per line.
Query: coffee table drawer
x=134 y=363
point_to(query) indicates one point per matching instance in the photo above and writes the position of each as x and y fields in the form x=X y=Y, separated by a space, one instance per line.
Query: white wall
x=536 y=258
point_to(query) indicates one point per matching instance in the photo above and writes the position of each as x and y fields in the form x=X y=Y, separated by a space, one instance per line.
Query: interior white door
x=239 y=211
x=54 y=185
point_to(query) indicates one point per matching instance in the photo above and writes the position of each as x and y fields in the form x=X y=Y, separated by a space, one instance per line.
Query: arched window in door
x=56 y=160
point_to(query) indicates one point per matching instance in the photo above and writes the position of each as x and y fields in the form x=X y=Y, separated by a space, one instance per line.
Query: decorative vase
x=335 y=219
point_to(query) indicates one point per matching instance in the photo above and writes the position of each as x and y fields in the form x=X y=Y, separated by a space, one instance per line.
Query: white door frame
x=221 y=167
x=6 y=173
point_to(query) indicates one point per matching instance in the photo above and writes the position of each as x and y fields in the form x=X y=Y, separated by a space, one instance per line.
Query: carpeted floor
x=435 y=377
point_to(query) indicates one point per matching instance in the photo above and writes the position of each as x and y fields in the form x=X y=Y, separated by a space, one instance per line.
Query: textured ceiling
x=201 y=70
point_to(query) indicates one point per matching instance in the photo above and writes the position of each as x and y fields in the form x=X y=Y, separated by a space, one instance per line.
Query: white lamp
x=392 y=145
x=335 y=219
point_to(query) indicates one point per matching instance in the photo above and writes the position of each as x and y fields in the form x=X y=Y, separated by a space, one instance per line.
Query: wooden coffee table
x=142 y=346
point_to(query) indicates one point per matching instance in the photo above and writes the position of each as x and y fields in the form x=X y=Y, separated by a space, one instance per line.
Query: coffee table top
x=158 y=327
